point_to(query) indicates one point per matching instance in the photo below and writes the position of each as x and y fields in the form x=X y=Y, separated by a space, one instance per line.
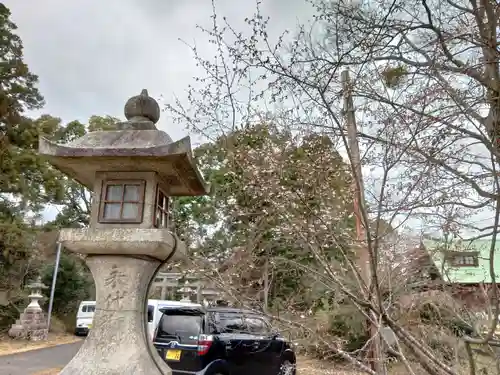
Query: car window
x=257 y=325
x=180 y=325
x=231 y=324
x=238 y=322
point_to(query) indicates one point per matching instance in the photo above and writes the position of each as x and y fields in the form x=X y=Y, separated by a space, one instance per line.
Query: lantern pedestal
x=118 y=343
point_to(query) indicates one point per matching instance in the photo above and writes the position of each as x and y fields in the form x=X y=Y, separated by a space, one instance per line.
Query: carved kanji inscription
x=114 y=299
x=116 y=277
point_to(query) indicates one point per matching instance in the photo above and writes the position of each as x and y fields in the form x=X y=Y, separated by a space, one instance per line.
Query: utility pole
x=266 y=284
x=375 y=353
x=53 y=287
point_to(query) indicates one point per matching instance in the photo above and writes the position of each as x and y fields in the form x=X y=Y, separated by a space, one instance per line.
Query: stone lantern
x=32 y=323
x=132 y=173
x=186 y=292
x=35 y=295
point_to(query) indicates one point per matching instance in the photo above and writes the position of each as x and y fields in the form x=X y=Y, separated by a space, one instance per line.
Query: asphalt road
x=38 y=360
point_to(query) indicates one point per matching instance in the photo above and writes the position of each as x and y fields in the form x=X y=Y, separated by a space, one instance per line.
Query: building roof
x=464 y=275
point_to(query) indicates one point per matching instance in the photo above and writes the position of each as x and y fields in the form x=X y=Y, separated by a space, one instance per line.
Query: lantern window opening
x=122 y=201
x=163 y=215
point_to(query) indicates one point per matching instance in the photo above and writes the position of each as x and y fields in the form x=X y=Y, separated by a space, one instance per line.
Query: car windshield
x=180 y=326
x=237 y=322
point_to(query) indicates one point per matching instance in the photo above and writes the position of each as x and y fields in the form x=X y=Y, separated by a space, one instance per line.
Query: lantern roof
x=137 y=146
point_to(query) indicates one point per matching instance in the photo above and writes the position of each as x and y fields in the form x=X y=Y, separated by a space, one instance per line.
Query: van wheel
x=287 y=368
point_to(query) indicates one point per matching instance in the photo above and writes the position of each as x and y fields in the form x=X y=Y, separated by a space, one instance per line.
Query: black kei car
x=221 y=341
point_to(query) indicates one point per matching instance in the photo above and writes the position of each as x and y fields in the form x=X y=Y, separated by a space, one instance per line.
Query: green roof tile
x=465 y=275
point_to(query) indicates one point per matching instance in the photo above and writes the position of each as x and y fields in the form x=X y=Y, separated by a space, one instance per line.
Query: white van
x=154 y=313
x=86 y=312
x=84 y=317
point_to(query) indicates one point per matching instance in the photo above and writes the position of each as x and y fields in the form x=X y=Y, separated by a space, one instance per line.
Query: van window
x=151 y=311
x=88 y=308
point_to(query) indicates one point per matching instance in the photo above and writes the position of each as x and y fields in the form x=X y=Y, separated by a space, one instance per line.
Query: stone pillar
x=132 y=171
x=199 y=295
x=164 y=290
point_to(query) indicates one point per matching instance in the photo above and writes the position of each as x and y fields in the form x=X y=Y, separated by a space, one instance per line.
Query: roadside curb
x=50 y=371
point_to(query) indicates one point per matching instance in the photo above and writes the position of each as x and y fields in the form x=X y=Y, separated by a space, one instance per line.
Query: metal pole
x=376 y=354
x=54 y=279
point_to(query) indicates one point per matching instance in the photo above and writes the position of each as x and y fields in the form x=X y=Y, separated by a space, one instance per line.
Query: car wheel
x=287 y=368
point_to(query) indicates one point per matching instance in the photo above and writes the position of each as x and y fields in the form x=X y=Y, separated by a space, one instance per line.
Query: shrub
x=348 y=323
x=342 y=326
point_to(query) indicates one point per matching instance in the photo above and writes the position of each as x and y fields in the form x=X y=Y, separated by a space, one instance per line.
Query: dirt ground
x=484 y=365
x=10 y=346
x=306 y=366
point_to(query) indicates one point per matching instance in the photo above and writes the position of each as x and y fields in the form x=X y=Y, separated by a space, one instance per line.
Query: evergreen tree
x=25 y=183
x=272 y=194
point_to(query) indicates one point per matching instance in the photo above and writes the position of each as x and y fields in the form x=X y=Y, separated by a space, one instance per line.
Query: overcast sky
x=91 y=56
